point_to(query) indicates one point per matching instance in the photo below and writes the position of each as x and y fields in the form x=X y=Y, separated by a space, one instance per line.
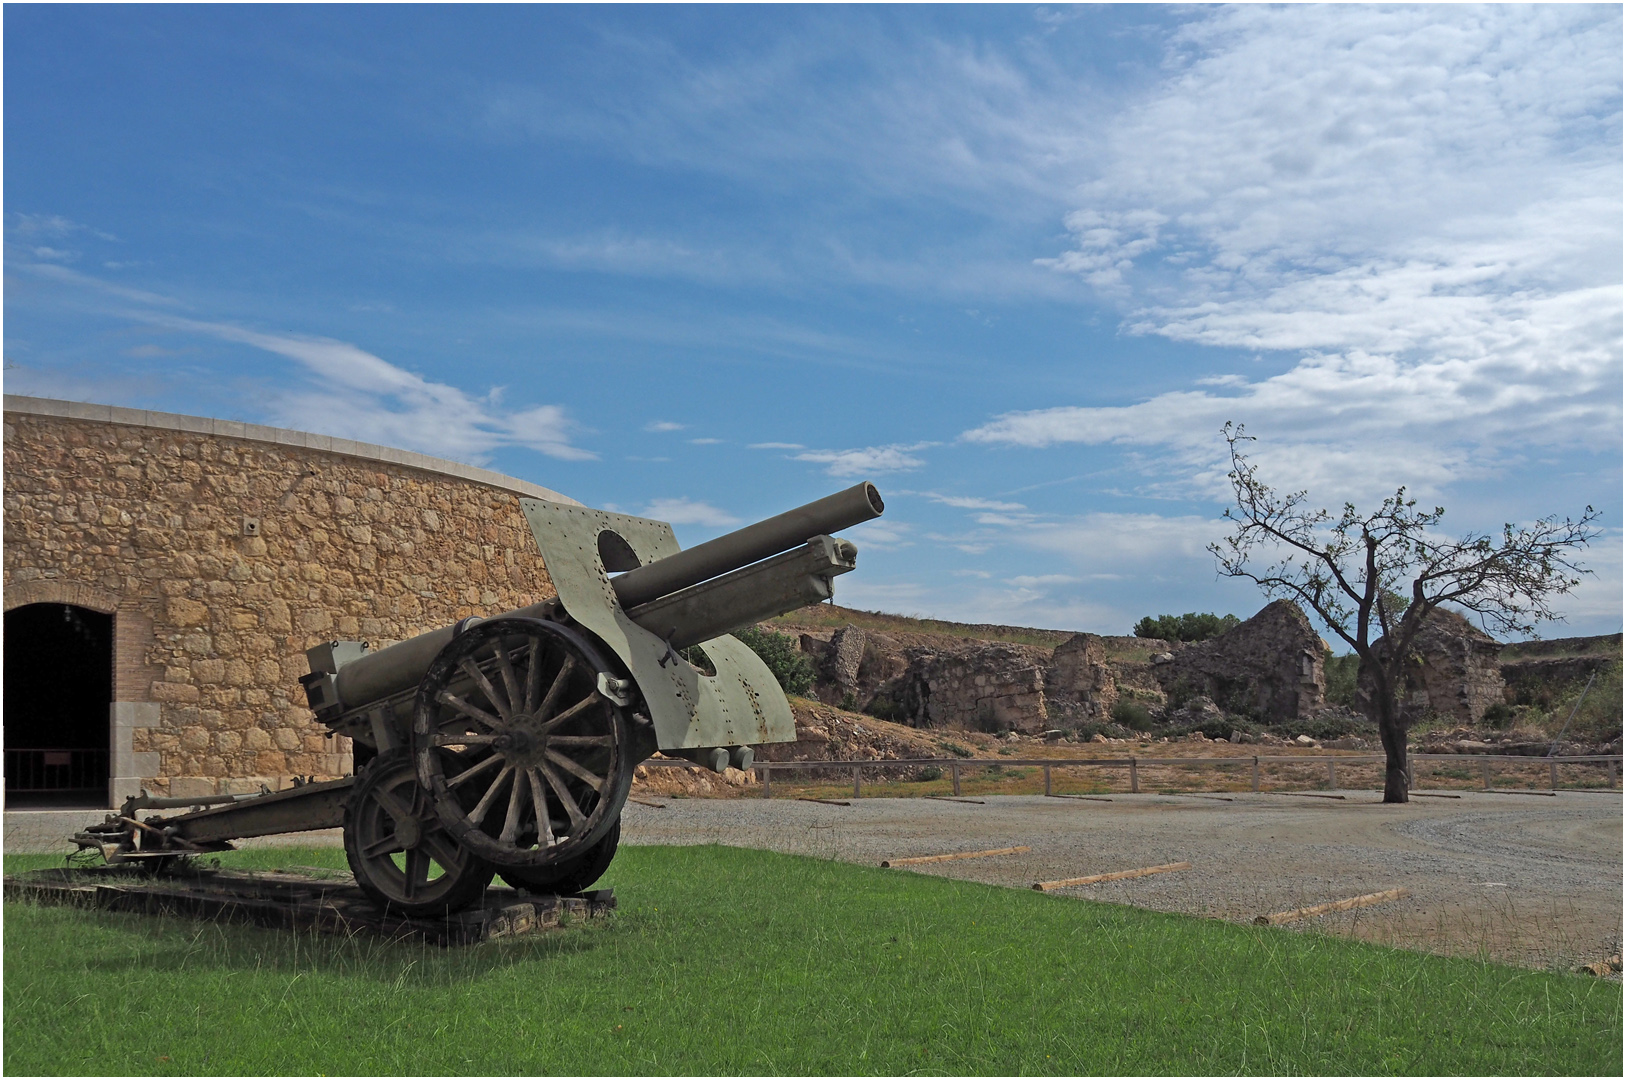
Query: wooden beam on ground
x=827 y=802
x=1306 y=794
x=951 y=798
x=1194 y=795
x=1336 y=905
x=1433 y=795
x=1091 y=798
x=1118 y=875
x=646 y=802
x=956 y=855
x=1505 y=791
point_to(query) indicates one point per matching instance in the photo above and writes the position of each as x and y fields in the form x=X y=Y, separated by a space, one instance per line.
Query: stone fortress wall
x=223 y=551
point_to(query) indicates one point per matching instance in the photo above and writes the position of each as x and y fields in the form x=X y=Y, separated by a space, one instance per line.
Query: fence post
x=1552 y=774
x=1484 y=771
x=1134 y=778
x=1256 y=772
x=856 y=770
x=1332 y=774
x=1611 y=773
x=954 y=768
x=767 y=780
x=1047 y=779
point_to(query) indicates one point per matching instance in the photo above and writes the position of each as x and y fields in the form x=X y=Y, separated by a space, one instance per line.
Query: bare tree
x=1373 y=578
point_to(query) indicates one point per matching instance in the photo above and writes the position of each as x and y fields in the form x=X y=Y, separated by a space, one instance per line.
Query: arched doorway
x=58 y=692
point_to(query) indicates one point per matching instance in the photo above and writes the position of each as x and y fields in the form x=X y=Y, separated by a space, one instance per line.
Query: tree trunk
x=1395 y=775
x=1378 y=693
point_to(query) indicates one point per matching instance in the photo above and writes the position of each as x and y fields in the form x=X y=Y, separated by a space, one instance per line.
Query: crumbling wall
x=989 y=687
x=1079 y=682
x=1269 y=666
x=1456 y=671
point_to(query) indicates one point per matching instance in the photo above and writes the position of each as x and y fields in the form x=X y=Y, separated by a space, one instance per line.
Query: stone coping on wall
x=236 y=429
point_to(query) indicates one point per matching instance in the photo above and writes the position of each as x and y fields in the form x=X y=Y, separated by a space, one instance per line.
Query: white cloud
x=868 y=460
x=354 y=394
x=688 y=512
x=663 y=425
x=966 y=502
x=1423 y=202
x=704 y=442
x=776 y=446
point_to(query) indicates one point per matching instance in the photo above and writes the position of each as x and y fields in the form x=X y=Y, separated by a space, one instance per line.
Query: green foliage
x=884 y=707
x=929 y=773
x=788 y=663
x=955 y=748
x=1188 y=627
x=851 y=970
x=1340 y=672
x=1132 y=715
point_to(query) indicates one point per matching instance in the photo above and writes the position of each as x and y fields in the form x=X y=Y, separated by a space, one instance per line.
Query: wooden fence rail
x=956 y=765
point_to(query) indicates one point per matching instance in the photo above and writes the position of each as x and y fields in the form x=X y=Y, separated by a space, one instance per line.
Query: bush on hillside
x=1188 y=627
x=789 y=664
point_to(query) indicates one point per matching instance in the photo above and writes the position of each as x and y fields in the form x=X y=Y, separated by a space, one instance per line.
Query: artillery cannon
x=506 y=745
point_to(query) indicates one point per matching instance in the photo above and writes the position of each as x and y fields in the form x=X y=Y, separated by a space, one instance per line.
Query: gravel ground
x=1526 y=879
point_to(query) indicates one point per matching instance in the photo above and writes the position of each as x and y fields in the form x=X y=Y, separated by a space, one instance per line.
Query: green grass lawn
x=723 y=960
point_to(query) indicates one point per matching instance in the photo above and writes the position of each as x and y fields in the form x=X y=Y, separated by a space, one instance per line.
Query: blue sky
x=1016 y=264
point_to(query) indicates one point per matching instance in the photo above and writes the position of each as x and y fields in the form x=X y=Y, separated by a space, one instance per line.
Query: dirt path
x=1525 y=879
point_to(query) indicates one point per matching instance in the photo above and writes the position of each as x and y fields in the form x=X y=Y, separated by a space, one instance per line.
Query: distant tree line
x=1188 y=627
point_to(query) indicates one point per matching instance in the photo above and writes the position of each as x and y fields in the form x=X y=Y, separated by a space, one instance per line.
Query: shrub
x=1340 y=672
x=788 y=663
x=1188 y=627
x=929 y=773
x=1132 y=715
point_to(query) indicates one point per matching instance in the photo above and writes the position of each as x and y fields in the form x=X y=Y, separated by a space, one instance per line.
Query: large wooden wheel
x=526 y=760
x=398 y=849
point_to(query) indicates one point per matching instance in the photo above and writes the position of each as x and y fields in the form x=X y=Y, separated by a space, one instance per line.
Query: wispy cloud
x=684 y=511
x=776 y=446
x=1424 y=203
x=351 y=392
x=868 y=460
x=708 y=441
x=663 y=425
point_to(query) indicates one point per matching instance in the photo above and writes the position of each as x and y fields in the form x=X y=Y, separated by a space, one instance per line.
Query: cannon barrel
x=687 y=613
x=729 y=552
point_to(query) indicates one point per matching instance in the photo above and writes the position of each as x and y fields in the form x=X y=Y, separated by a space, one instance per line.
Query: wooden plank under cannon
x=329 y=904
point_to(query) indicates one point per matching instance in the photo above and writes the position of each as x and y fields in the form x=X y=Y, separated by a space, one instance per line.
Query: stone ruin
x=1455 y=671
x=1269 y=666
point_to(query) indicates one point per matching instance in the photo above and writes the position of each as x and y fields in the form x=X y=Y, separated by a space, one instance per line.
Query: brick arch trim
x=22 y=593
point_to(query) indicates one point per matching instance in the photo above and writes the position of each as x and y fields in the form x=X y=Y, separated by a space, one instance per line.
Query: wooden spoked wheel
x=569 y=875
x=526 y=761
x=399 y=850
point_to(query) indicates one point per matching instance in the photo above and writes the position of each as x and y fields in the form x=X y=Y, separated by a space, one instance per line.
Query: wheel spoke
x=381 y=847
x=516 y=800
x=544 y=827
x=571 y=713
x=473 y=671
x=442 y=850
x=509 y=683
x=417 y=871
x=397 y=809
x=574 y=812
x=473 y=771
x=467 y=738
x=580 y=740
x=594 y=782
x=556 y=691
x=533 y=675
x=473 y=712
x=478 y=814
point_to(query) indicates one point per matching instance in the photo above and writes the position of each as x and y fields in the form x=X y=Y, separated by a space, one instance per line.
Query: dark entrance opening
x=58 y=691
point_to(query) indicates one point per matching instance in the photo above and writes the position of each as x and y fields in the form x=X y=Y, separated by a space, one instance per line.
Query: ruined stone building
x=1270 y=666
x=165 y=574
x=1454 y=670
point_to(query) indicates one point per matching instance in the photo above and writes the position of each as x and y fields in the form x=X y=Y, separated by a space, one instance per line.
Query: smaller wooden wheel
x=527 y=761
x=398 y=848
